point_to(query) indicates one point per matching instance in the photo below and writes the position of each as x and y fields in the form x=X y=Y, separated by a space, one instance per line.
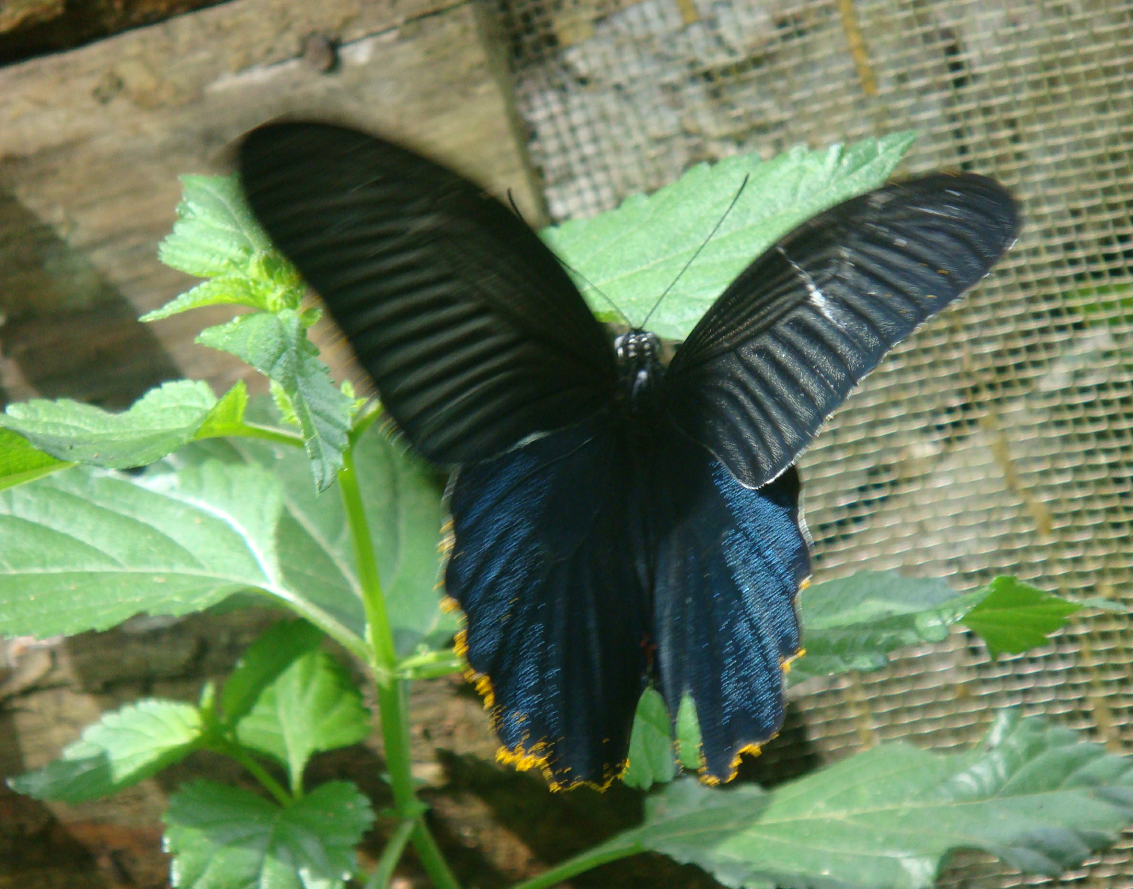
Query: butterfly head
x=639 y=363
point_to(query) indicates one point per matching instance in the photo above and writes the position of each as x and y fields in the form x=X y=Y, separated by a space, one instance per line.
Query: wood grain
x=92 y=142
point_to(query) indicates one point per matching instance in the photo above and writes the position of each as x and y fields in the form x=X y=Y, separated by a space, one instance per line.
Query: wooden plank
x=92 y=142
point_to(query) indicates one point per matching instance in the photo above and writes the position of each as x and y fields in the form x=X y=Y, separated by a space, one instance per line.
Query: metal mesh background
x=999 y=439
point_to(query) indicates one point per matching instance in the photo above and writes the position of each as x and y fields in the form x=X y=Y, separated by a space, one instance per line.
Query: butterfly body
x=639 y=368
x=617 y=523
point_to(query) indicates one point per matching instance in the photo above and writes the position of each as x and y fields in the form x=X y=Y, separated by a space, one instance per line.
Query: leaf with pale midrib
x=1032 y=794
x=402 y=497
x=215 y=233
x=156 y=424
x=633 y=254
x=85 y=549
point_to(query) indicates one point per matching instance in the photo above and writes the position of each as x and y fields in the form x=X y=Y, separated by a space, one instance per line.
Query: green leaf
x=227 y=415
x=283 y=405
x=217 y=237
x=848 y=624
x=216 y=234
x=121 y=749
x=157 y=424
x=402 y=496
x=887 y=818
x=854 y=622
x=85 y=549
x=21 y=462
x=263 y=662
x=689 y=750
x=224 y=837
x=225 y=290
x=636 y=252
x=1015 y=617
x=651 y=755
x=403 y=499
x=277 y=346
x=1103 y=604
x=311 y=706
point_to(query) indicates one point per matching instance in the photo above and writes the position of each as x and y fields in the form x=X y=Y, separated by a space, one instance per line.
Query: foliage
x=225 y=505
x=634 y=253
x=1034 y=795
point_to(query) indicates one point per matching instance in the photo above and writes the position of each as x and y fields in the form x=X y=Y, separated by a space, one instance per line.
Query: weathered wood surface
x=92 y=142
x=25 y=13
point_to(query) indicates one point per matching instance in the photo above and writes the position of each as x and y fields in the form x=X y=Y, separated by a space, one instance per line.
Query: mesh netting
x=998 y=439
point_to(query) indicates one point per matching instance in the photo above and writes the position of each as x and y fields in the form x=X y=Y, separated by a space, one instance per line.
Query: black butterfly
x=616 y=523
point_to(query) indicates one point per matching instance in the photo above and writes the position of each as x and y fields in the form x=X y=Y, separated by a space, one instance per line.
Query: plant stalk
x=392 y=690
x=391 y=854
x=254 y=430
x=238 y=753
x=383 y=653
x=572 y=867
x=431 y=858
x=431 y=665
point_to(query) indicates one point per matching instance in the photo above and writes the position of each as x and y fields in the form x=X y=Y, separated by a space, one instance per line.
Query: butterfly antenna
x=573 y=270
x=703 y=244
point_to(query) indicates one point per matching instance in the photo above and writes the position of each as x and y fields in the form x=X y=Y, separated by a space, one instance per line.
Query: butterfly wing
x=728 y=569
x=473 y=333
x=800 y=327
x=548 y=566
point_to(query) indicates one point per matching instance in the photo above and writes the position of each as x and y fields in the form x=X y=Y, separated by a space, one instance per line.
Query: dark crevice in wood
x=40 y=27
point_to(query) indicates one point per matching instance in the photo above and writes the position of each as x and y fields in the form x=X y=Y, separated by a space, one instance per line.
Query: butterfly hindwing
x=472 y=331
x=728 y=565
x=788 y=340
x=548 y=565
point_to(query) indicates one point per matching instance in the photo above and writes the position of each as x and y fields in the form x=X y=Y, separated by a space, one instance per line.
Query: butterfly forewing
x=473 y=333
x=801 y=326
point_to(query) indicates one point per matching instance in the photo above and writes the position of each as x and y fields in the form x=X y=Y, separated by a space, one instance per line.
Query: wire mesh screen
x=999 y=439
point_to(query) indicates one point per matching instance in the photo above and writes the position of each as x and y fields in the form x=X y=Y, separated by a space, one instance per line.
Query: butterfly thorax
x=639 y=366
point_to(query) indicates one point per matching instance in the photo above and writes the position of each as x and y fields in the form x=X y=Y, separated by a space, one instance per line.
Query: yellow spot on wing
x=787 y=662
x=523 y=757
x=753 y=749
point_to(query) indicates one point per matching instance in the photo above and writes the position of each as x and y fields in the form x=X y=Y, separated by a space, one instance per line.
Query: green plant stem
x=365 y=420
x=392 y=690
x=383 y=652
x=391 y=854
x=572 y=867
x=238 y=753
x=431 y=665
x=349 y=640
x=253 y=430
x=395 y=733
x=429 y=853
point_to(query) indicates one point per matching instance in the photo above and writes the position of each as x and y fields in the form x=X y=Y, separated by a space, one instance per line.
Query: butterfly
x=616 y=523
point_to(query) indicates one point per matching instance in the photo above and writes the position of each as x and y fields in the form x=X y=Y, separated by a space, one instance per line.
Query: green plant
x=224 y=505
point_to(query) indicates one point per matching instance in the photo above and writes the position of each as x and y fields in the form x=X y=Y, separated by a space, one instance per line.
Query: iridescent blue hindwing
x=547 y=565
x=729 y=564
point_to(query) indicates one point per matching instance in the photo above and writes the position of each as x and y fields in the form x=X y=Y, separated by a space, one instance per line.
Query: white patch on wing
x=817 y=297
